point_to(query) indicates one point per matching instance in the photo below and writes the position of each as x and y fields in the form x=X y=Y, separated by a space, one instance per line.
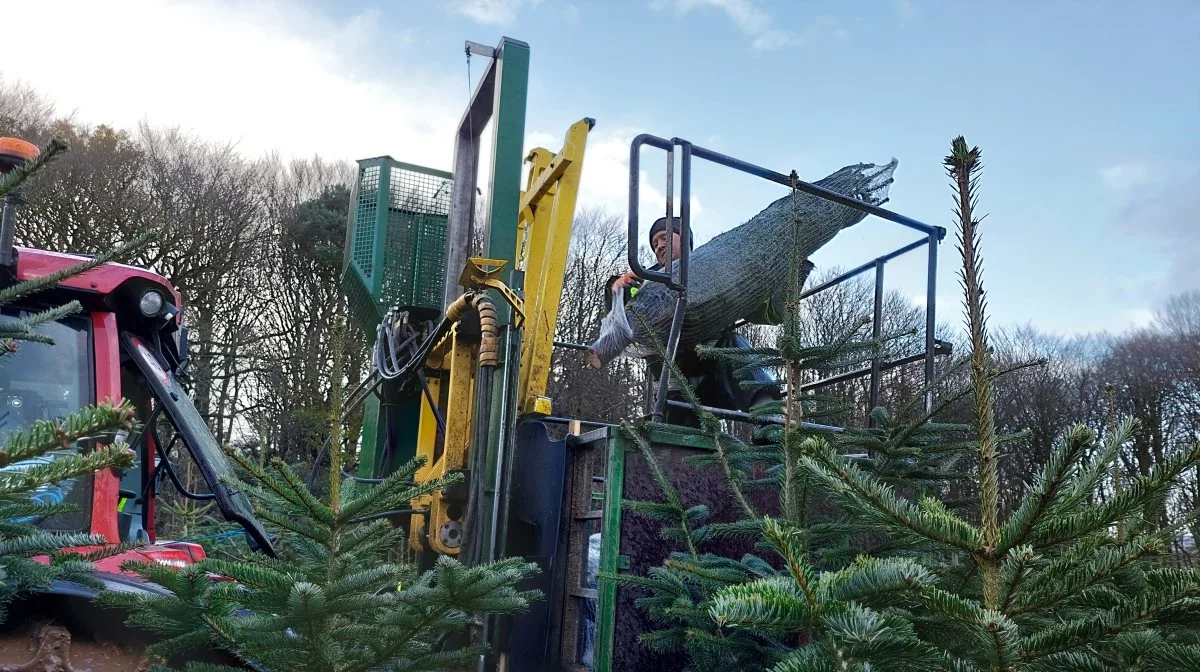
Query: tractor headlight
x=151 y=303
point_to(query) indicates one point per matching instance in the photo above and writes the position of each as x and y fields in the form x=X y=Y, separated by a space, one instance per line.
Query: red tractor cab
x=128 y=342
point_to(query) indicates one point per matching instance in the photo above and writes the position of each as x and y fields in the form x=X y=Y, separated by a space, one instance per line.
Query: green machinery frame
x=396 y=239
x=395 y=256
x=605 y=457
x=408 y=238
x=500 y=97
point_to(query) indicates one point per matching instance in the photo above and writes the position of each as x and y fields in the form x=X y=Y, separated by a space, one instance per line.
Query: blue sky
x=1088 y=113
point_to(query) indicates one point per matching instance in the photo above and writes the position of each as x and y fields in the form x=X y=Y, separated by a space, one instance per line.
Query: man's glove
x=627 y=282
x=627 y=279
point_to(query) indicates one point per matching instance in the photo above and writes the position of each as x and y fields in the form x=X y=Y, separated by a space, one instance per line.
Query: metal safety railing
x=931 y=237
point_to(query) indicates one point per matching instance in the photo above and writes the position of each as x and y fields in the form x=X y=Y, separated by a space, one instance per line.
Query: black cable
x=175 y=478
x=156 y=474
x=437 y=415
x=419 y=355
x=386 y=349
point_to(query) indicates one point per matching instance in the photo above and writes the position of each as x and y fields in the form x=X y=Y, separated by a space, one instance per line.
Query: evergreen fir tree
x=38 y=462
x=333 y=601
x=1058 y=584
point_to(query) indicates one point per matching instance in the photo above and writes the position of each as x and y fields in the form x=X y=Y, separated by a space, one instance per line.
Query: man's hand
x=627 y=279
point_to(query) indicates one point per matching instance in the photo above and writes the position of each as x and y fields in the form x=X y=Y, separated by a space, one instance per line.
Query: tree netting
x=740 y=270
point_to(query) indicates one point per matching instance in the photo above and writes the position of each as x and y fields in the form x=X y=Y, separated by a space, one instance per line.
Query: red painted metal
x=106 y=489
x=176 y=554
x=103 y=279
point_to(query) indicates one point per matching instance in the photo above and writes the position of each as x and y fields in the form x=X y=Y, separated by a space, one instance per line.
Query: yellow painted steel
x=547 y=213
x=481 y=273
x=452 y=362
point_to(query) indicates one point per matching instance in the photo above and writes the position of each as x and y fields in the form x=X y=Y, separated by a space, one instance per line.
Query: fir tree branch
x=846 y=479
x=22 y=328
x=65 y=469
x=46 y=435
x=1165 y=588
x=283 y=483
x=18 y=175
x=708 y=570
x=735 y=484
x=1176 y=658
x=770 y=604
x=788 y=543
x=1013 y=570
x=103 y=550
x=45 y=543
x=1141 y=493
x=1054 y=584
x=335 y=420
x=1083 y=485
x=871 y=579
x=396 y=488
x=664 y=483
x=1046 y=489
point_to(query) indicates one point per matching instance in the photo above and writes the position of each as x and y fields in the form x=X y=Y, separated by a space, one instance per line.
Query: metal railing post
x=876 y=333
x=930 y=317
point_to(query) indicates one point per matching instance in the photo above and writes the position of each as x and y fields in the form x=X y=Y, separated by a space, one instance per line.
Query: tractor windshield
x=43 y=381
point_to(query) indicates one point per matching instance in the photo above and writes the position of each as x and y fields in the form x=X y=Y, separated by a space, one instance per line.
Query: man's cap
x=661 y=224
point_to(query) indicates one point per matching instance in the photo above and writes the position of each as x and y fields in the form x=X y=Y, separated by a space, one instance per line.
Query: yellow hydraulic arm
x=543 y=238
x=547 y=212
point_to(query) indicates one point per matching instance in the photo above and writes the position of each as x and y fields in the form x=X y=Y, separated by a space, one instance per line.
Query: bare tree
x=598 y=245
x=24 y=112
x=308 y=203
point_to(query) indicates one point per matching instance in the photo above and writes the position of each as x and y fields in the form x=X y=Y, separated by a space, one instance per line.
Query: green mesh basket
x=396 y=240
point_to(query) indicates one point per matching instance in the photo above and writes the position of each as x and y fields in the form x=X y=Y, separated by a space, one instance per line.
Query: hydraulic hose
x=489 y=332
x=489 y=358
x=388 y=355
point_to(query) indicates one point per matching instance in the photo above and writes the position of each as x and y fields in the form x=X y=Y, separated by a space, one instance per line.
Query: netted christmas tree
x=40 y=461
x=335 y=600
x=896 y=578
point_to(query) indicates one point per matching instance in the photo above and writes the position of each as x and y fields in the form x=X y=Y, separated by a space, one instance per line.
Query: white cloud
x=264 y=74
x=541 y=139
x=757 y=24
x=774 y=39
x=1128 y=175
x=1140 y=317
x=748 y=17
x=269 y=76
x=1165 y=212
x=491 y=12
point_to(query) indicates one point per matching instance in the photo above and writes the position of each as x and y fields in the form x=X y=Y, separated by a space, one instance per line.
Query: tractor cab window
x=136 y=489
x=43 y=381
